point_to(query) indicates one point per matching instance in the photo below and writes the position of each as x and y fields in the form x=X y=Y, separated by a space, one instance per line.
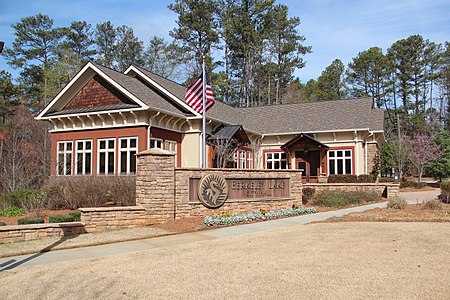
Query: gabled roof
x=303 y=138
x=231 y=131
x=147 y=90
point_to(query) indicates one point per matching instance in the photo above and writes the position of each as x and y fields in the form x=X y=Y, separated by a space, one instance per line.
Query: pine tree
x=330 y=84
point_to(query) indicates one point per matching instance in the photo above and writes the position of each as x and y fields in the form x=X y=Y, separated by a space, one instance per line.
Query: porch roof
x=300 y=138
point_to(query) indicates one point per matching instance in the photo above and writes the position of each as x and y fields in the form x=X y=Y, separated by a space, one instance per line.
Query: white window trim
x=128 y=149
x=64 y=152
x=242 y=159
x=249 y=160
x=83 y=152
x=167 y=142
x=107 y=150
x=343 y=158
x=158 y=140
x=273 y=160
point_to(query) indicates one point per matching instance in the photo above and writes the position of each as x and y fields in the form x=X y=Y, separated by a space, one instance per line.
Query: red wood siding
x=94 y=135
x=97 y=92
x=167 y=135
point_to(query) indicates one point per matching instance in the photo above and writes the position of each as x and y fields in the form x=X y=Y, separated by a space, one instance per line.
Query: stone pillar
x=155 y=184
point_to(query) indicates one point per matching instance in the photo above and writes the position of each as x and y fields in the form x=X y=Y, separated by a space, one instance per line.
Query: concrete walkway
x=166 y=241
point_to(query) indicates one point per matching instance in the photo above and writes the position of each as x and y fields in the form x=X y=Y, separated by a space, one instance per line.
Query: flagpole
x=204 y=114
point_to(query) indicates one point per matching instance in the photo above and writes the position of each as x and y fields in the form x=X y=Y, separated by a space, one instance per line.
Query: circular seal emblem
x=212 y=190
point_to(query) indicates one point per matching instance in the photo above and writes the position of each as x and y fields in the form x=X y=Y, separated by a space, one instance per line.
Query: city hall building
x=102 y=118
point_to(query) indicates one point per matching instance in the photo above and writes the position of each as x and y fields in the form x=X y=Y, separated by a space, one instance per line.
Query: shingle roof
x=289 y=118
x=230 y=131
x=143 y=92
x=315 y=116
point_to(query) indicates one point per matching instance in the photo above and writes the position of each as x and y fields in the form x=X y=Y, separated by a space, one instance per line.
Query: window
x=64 y=158
x=249 y=160
x=156 y=143
x=83 y=158
x=106 y=156
x=340 y=161
x=127 y=155
x=171 y=146
x=276 y=160
x=242 y=160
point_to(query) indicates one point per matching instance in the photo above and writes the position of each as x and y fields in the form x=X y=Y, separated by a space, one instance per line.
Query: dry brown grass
x=316 y=261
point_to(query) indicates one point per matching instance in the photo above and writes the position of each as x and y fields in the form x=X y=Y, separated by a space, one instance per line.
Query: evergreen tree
x=8 y=97
x=78 y=40
x=197 y=31
x=330 y=84
x=129 y=49
x=105 y=40
x=367 y=74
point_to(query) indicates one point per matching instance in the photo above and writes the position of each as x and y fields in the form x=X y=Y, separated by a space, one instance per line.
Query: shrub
x=338 y=178
x=445 y=188
x=386 y=179
x=397 y=203
x=307 y=194
x=12 y=212
x=60 y=219
x=89 y=191
x=366 y=178
x=28 y=199
x=412 y=184
x=2 y=224
x=342 y=199
x=76 y=215
x=434 y=204
x=30 y=220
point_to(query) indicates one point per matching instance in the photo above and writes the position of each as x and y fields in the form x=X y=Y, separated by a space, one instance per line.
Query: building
x=102 y=118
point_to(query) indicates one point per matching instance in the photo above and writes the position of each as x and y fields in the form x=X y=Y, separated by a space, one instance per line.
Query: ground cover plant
x=12 y=212
x=229 y=218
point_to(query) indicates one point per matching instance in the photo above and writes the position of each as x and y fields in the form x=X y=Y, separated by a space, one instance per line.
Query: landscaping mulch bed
x=412 y=213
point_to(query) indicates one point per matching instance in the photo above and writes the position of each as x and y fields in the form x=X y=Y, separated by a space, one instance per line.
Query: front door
x=309 y=163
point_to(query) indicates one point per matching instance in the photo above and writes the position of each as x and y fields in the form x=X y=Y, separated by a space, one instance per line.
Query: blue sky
x=334 y=29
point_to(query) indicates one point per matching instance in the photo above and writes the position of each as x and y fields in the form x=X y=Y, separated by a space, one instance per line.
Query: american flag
x=194 y=95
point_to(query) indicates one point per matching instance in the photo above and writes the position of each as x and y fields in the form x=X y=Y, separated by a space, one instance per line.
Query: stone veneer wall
x=392 y=189
x=104 y=218
x=16 y=233
x=372 y=151
x=185 y=208
x=164 y=190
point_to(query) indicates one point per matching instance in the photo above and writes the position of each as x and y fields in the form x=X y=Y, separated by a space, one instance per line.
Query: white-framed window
x=128 y=148
x=242 y=159
x=64 y=158
x=106 y=156
x=235 y=159
x=83 y=157
x=276 y=160
x=249 y=160
x=170 y=146
x=156 y=143
x=340 y=161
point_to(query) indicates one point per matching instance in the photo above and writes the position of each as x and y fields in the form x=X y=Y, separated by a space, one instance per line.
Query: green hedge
x=347 y=178
x=445 y=188
x=342 y=199
x=30 y=220
x=60 y=219
x=76 y=215
x=412 y=184
x=2 y=224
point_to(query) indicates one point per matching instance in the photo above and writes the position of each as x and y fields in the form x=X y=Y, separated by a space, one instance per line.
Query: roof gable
x=97 y=92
